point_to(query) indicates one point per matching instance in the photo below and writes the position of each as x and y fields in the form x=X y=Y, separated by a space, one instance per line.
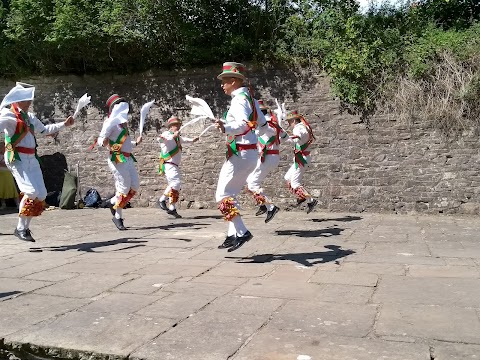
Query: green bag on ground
x=69 y=191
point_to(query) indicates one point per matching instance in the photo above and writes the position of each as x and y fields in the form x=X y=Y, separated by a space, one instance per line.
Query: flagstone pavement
x=322 y=286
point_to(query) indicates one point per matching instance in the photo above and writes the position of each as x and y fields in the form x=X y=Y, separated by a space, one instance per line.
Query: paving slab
x=443 y=271
x=24 y=311
x=207 y=336
x=452 y=351
x=428 y=291
x=379 y=269
x=345 y=278
x=86 y=332
x=428 y=322
x=275 y=344
x=85 y=286
x=325 y=318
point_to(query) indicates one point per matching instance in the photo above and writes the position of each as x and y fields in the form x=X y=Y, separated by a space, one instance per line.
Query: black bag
x=53 y=198
x=92 y=199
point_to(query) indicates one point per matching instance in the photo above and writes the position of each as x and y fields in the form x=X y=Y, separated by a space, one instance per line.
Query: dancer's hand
x=195 y=139
x=69 y=121
x=219 y=125
x=139 y=140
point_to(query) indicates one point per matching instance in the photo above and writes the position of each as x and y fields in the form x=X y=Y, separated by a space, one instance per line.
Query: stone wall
x=386 y=167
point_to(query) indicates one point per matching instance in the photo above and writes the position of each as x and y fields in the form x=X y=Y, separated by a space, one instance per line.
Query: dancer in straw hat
x=170 y=157
x=20 y=127
x=241 y=121
x=302 y=137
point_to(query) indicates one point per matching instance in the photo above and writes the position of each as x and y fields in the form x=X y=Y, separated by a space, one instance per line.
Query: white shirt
x=237 y=117
x=111 y=131
x=270 y=131
x=168 y=143
x=300 y=134
x=8 y=124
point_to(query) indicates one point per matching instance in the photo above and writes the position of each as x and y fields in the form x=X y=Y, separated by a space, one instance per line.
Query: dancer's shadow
x=200 y=217
x=342 y=219
x=317 y=257
x=10 y=293
x=193 y=226
x=91 y=246
x=330 y=231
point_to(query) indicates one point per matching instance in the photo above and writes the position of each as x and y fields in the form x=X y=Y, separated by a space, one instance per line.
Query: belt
x=25 y=150
x=124 y=153
x=169 y=162
x=273 y=152
x=241 y=147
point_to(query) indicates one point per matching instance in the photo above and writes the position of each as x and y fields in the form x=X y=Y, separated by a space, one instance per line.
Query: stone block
x=276 y=344
x=430 y=322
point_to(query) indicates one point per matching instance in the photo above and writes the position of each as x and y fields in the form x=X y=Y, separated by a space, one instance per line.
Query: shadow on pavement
x=10 y=293
x=169 y=226
x=90 y=246
x=330 y=231
x=342 y=219
x=321 y=257
x=200 y=217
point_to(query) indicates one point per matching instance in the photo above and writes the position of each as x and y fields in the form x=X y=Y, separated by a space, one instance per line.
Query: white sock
x=171 y=207
x=269 y=207
x=29 y=219
x=118 y=213
x=22 y=223
x=240 y=227
x=309 y=200
x=231 y=229
x=163 y=197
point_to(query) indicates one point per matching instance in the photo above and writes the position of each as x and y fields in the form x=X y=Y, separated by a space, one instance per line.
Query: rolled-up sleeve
x=42 y=129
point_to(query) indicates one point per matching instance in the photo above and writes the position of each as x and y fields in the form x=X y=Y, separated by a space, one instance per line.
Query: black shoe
x=174 y=213
x=261 y=210
x=163 y=205
x=112 y=210
x=271 y=213
x=24 y=235
x=300 y=201
x=311 y=205
x=228 y=242
x=119 y=224
x=240 y=240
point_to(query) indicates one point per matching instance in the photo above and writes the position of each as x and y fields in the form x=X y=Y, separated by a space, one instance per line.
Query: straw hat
x=233 y=69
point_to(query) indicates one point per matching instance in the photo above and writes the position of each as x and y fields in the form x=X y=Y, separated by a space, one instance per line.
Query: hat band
x=231 y=67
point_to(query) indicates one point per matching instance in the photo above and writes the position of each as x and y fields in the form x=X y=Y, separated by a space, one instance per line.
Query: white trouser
x=231 y=180
x=261 y=171
x=29 y=177
x=174 y=178
x=295 y=176
x=126 y=176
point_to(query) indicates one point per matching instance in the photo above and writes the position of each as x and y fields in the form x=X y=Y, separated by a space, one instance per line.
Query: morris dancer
x=302 y=137
x=268 y=145
x=170 y=158
x=243 y=117
x=20 y=127
x=121 y=162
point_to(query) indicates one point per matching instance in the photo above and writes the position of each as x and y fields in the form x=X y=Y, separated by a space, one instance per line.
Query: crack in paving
x=247 y=340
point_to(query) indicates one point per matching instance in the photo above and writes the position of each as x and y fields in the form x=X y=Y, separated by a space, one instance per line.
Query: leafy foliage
x=363 y=51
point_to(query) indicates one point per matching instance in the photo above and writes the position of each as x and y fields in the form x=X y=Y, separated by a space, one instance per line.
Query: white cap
x=21 y=92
